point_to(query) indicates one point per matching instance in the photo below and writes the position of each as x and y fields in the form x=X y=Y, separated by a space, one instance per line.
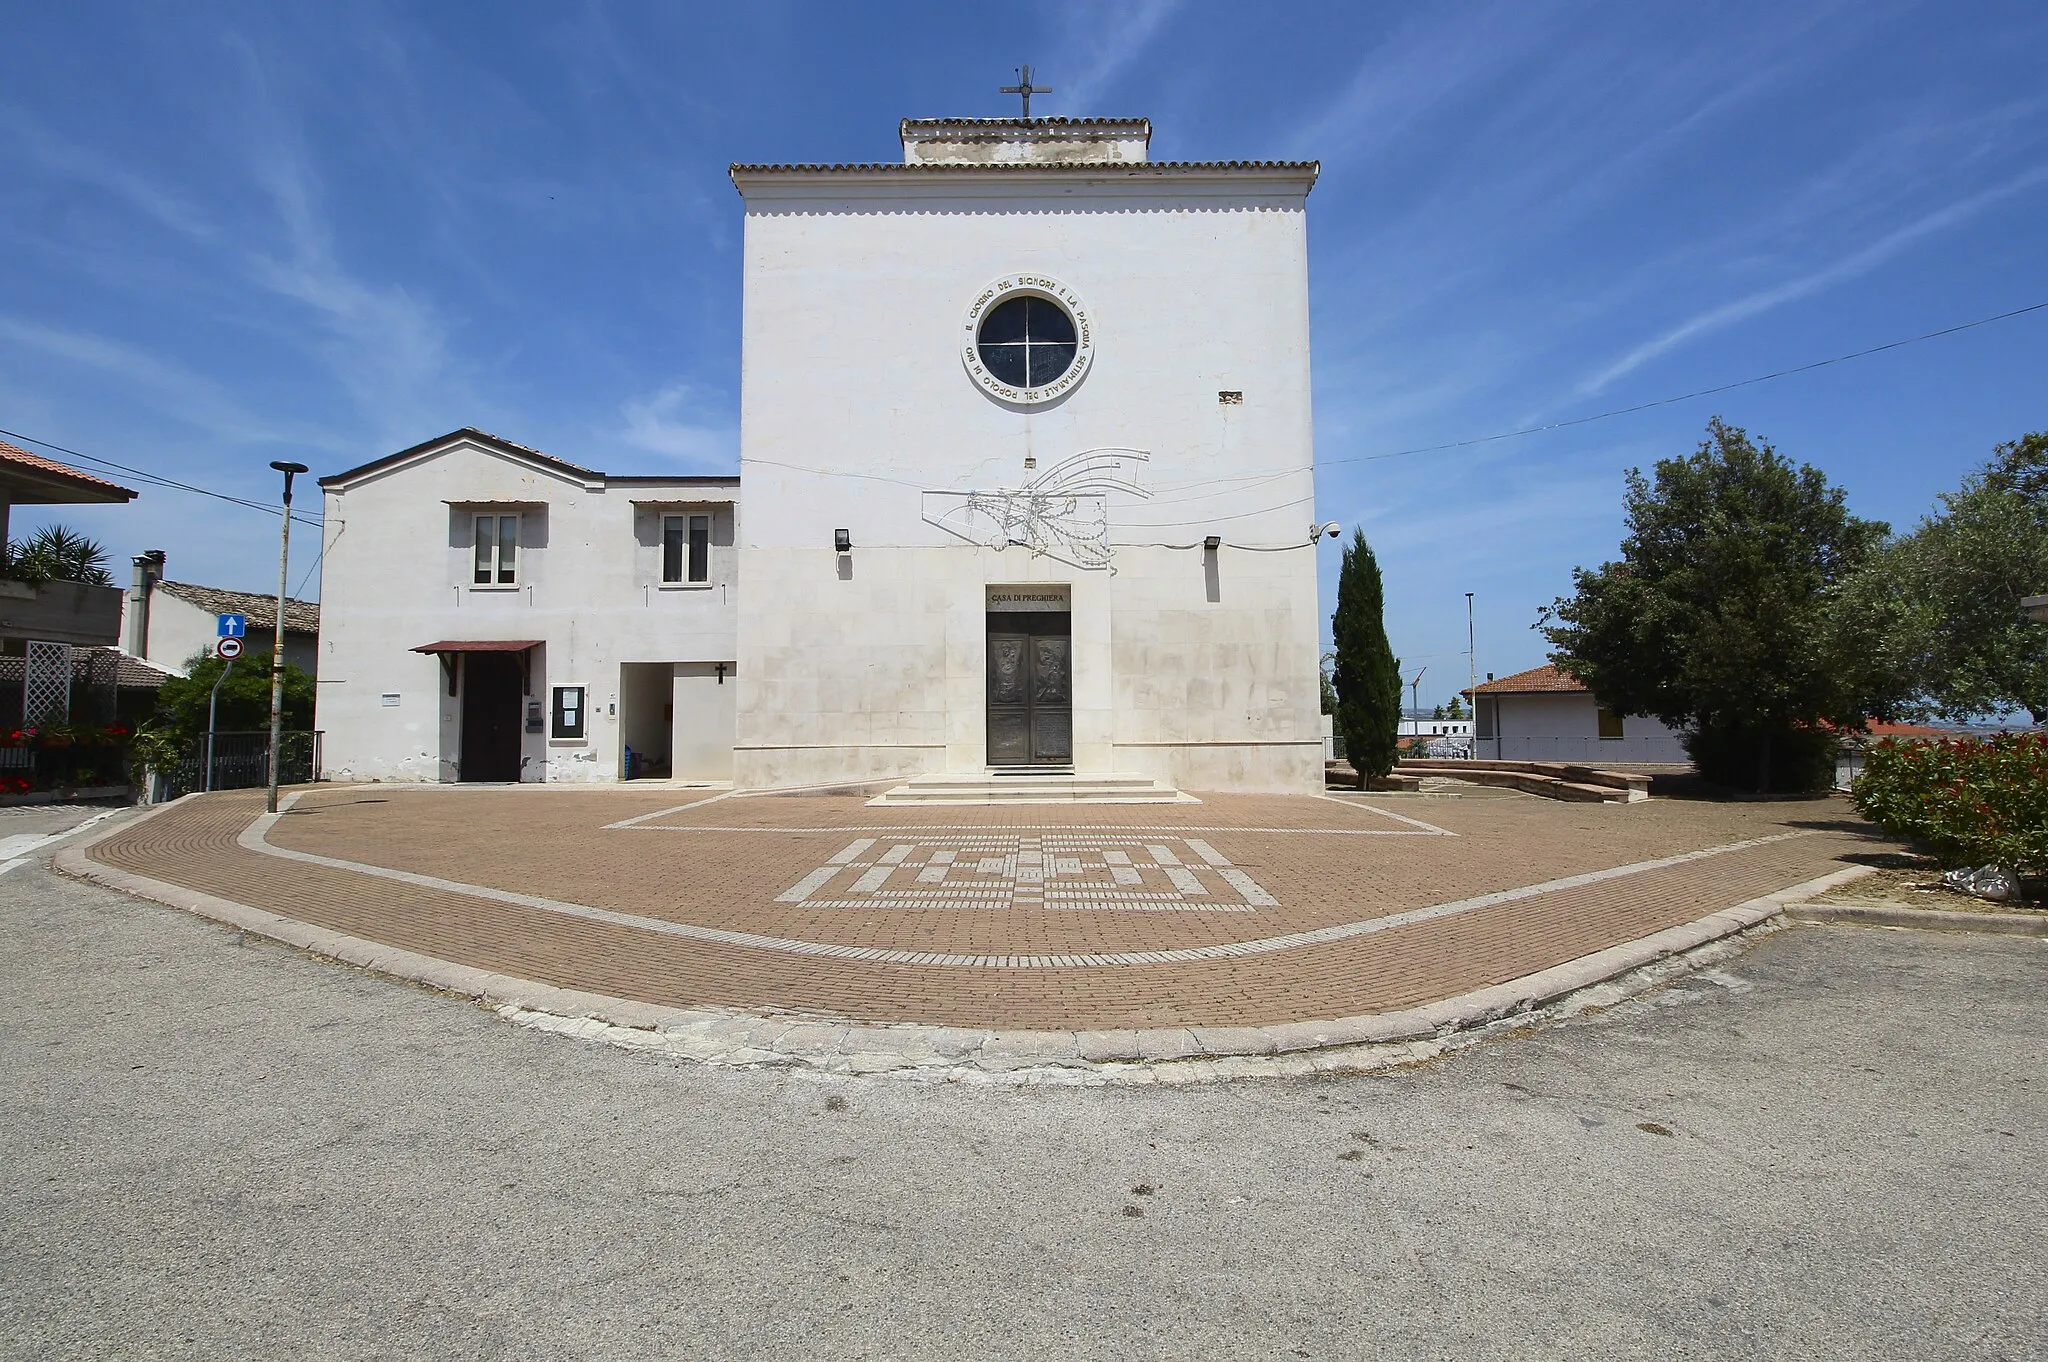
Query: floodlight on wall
x=1213 y=542
x=842 y=541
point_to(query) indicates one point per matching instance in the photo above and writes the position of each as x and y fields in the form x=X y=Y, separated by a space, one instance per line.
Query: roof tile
x=131 y=673
x=15 y=454
x=300 y=617
x=1546 y=679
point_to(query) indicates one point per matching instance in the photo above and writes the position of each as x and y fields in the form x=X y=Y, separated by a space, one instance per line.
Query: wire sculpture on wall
x=1062 y=514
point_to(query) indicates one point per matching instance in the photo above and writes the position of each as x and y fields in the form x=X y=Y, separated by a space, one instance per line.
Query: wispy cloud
x=1848 y=267
x=1424 y=64
x=1111 y=40
x=671 y=423
x=386 y=348
x=180 y=393
x=62 y=157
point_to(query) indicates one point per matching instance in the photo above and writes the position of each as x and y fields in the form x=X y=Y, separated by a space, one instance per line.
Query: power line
x=157 y=479
x=1687 y=397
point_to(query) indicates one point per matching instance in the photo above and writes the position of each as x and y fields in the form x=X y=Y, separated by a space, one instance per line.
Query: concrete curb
x=1920 y=919
x=731 y=1038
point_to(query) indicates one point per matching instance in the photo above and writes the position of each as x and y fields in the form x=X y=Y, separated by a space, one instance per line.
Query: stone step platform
x=1033 y=787
x=1551 y=779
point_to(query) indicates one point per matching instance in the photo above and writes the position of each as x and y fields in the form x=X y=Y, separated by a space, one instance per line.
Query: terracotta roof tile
x=1546 y=679
x=1009 y=168
x=1027 y=122
x=300 y=617
x=466 y=432
x=130 y=673
x=15 y=454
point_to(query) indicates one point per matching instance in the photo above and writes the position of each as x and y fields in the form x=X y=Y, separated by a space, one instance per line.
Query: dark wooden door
x=493 y=698
x=1030 y=690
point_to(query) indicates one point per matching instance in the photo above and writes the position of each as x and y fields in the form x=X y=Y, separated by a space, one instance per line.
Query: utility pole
x=284 y=555
x=1415 y=695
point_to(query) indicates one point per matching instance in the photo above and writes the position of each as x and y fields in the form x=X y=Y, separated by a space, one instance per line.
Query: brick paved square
x=1240 y=910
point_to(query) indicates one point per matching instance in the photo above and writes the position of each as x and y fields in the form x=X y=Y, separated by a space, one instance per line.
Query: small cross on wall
x=1024 y=89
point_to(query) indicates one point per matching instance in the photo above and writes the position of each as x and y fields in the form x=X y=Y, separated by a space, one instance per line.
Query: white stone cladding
x=397 y=576
x=1003 y=141
x=1197 y=667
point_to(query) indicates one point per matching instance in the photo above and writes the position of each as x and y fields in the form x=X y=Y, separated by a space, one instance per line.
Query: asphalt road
x=1832 y=1147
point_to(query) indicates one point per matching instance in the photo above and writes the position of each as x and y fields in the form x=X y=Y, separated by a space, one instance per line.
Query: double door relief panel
x=1030 y=689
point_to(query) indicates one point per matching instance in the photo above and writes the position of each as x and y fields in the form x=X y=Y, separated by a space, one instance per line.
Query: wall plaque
x=1049 y=597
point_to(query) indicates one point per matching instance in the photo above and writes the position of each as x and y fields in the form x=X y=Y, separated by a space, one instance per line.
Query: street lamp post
x=284 y=555
x=1472 y=663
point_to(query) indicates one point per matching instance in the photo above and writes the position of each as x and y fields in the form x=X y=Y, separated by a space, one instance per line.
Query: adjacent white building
x=1544 y=715
x=493 y=613
x=169 y=624
x=1027 y=452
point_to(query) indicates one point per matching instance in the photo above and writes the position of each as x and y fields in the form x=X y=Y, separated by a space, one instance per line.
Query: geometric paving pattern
x=1077 y=871
x=1243 y=910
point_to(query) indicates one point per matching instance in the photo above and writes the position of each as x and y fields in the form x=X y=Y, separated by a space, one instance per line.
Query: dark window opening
x=1027 y=342
x=686 y=548
x=497 y=550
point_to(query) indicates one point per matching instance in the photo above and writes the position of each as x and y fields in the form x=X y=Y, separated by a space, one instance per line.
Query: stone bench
x=1551 y=779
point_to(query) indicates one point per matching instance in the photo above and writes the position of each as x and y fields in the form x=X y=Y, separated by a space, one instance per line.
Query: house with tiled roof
x=169 y=624
x=74 y=613
x=1545 y=714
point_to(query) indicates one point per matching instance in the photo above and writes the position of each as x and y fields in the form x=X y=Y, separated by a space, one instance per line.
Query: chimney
x=149 y=570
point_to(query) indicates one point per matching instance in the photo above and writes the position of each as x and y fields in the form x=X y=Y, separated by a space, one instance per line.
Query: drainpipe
x=149 y=570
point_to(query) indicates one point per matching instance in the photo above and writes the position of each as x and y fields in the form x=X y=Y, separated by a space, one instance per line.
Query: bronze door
x=1030 y=690
x=493 y=691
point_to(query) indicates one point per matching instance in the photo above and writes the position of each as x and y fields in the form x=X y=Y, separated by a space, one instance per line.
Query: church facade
x=1028 y=459
x=1027 y=464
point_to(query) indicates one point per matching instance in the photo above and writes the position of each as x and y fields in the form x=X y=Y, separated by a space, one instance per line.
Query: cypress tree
x=1368 y=674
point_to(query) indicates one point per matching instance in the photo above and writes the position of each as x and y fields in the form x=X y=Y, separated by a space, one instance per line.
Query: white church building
x=1027 y=458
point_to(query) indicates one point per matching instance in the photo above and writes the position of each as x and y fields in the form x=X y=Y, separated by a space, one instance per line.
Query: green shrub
x=1799 y=760
x=1970 y=801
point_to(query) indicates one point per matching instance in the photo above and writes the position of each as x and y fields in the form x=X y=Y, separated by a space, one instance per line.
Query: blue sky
x=230 y=234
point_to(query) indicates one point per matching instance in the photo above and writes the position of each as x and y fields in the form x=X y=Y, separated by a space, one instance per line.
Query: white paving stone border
x=255 y=838
x=1180 y=1055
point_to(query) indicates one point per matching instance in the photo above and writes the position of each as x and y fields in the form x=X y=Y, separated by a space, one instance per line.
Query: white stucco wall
x=1566 y=727
x=1202 y=672
x=179 y=629
x=397 y=575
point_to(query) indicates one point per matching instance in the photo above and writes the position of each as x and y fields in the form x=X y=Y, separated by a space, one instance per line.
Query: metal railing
x=241 y=761
x=1585 y=751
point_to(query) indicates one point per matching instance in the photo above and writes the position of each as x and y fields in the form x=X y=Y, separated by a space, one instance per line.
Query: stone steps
x=1034 y=787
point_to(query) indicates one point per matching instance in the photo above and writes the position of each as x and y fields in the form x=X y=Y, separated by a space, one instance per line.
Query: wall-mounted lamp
x=842 y=541
x=1213 y=542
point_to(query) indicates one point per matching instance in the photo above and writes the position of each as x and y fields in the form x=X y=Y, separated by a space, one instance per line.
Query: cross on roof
x=1025 y=89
